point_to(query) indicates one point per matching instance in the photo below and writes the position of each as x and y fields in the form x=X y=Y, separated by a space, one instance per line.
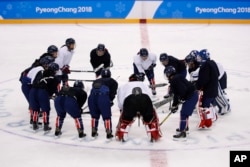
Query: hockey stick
x=85 y=80
x=158 y=85
x=95 y=70
x=162 y=102
x=82 y=71
x=165 y=118
x=99 y=67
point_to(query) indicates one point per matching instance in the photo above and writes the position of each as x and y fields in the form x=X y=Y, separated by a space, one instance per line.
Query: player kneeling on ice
x=100 y=102
x=184 y=92
x=70 y=100
x=134 y=101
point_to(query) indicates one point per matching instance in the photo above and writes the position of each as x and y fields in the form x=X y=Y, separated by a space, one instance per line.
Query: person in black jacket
x=70 y=100
x=207 y=84
x=44 y=85
x=184 y=93
x=100 y=100
x=179 y=65
x=100 y=58
x=50 y=56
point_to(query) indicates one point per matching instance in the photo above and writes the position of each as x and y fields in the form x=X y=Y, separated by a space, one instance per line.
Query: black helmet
x=78 y=84
x=69 y=41
x=46 y=60
x=163 y=57
x=106 y=73
x=169 y=71
x=136 y=91
x=143 y=52
x=53 y=67
x=52 y=48
x=101 y=47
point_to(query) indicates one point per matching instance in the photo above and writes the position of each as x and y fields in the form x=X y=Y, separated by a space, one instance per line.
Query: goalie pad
x=122 y=128
x=153 y=128
x=207 y=116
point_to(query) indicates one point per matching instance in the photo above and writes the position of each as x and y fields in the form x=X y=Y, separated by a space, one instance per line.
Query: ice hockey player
x=26 y=81
x=145 y=62
x=44 y=85
x=100 y=59
x=51 y=54
x=135 y=80
x=179 y=65
x=134 y=101
x=70 y=100
x=184 y=93
x=207 y=84
x=52 y=51
x=63 y=59
x=221 y=100
x=100 y=102
x=193 y=65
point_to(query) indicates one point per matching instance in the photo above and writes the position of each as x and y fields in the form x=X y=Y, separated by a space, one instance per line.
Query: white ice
x=21 y=44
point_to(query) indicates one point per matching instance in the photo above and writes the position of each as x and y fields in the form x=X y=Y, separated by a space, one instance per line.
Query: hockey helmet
x=51 y=49
x=69 y=41
x=169 y=71
x=53 y=67
x=136 y=91
x=105 y=73
x=101 y=47
x=163 y=57
x=78 y=84
x=204 y=55
x=143 y=52
x=192 y=56
x=46 y=60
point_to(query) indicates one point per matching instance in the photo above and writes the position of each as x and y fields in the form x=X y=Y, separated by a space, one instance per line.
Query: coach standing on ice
x=100 y=58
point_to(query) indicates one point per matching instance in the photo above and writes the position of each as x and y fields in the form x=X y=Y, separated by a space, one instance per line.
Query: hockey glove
x=65 y=69
x=173 y=109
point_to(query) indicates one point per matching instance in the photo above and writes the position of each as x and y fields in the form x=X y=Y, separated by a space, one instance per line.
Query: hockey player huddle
x=47 y=78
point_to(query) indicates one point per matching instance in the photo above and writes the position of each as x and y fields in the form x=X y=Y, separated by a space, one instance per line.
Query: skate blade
x=180 y=139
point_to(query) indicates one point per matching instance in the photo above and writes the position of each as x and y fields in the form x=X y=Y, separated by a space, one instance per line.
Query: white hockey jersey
x=33 y=72
x=144 y=64
x=126 y=90
x=64 y=58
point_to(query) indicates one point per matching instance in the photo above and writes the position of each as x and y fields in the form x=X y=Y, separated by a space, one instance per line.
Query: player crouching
x=138 y=105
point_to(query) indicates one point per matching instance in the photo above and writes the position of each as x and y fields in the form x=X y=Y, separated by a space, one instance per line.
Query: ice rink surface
x=22 y=44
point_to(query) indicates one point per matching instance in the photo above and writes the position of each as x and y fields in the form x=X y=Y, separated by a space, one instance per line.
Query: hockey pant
x=67 y=104
x=99 y=105
x=39 y=98
x=206 y=114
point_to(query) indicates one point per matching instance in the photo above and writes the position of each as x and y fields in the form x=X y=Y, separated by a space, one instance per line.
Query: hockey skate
x=153 y=92
x=94 y=132
x=58 y=132
x=35 y=126
x=46 y=128
x=186 y=130
x=81 y=134
x=181 y=136
x=109 y=134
